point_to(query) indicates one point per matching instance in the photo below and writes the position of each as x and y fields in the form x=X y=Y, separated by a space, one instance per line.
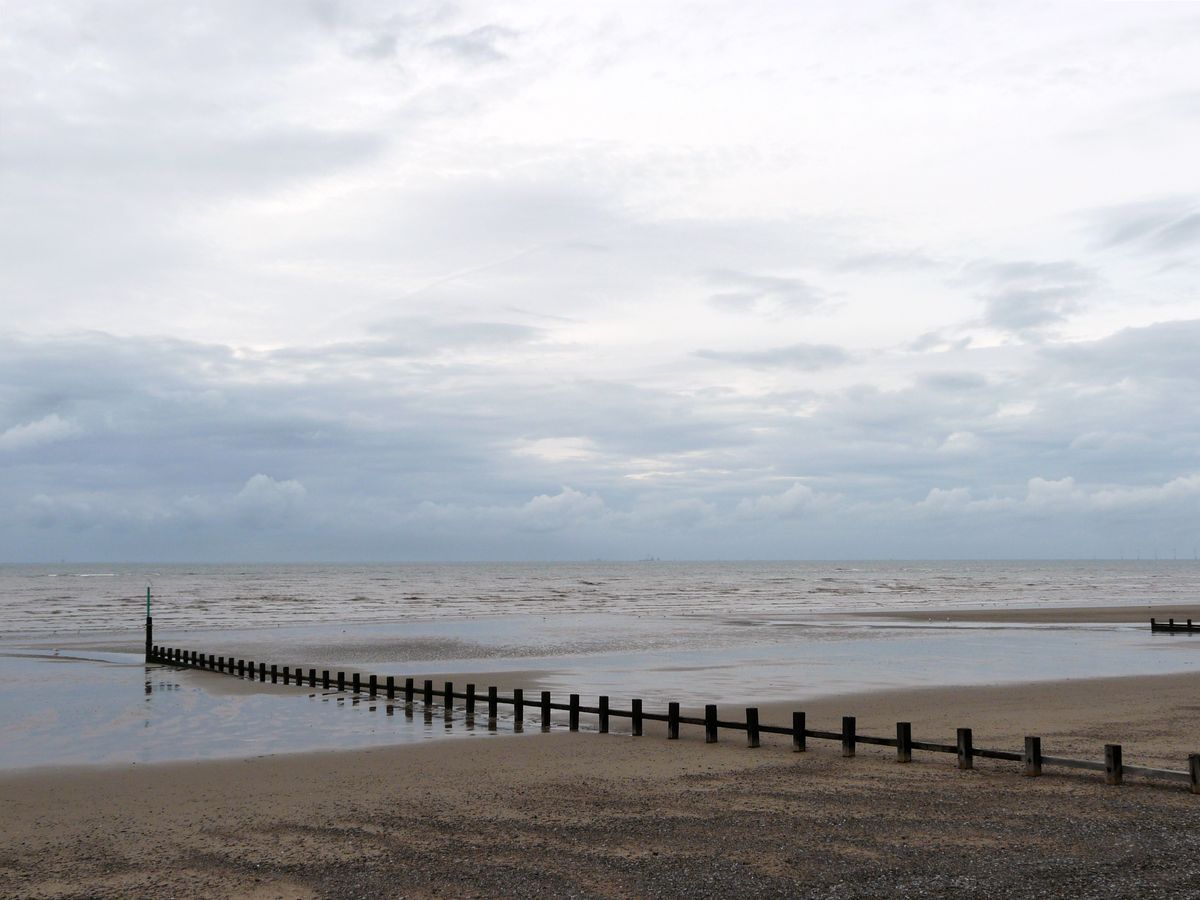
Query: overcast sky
x=541 y=280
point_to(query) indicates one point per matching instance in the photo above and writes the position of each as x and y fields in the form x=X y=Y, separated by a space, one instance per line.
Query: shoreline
x=611 y=815
x=1048 y=615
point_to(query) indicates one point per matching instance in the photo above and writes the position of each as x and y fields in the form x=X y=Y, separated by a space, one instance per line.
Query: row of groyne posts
x=1032 y=759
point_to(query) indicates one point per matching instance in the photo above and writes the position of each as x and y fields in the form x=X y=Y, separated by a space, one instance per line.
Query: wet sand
x=1047 y=615
x=612 y=815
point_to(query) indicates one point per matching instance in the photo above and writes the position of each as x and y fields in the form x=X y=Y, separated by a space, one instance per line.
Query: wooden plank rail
x=1031 y=757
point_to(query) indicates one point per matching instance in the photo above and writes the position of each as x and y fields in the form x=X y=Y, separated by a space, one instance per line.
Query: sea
x=74 y=688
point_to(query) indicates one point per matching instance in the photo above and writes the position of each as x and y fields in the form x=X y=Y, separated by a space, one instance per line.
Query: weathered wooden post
x=752 y=737
x=325 y=679
x=710 y=723
x=493 y=702
x=603 y=726
x=1031 y=759
x=904 y=742
x=312 y=678
x=249 y=667
x=355 y=683
x=636 y=717
x=966 y=749
x=428 y=692
x=373 y=685
x=220 y=664
x=518 y=708
x=448 y=696
x=471 y=701
x=241 y=668
x=573 y=713
x=408 y=691
x=391 y=687
x=262 y=672
x=799 y=733
x=849 y=735
x=1194 y=772
x=341 y=682
x=673 y=721
x=287 y=675
x=545 y=710
x=1114 y=771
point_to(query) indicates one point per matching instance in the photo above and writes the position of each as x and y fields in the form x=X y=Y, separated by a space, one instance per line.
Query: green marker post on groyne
x=149 y=627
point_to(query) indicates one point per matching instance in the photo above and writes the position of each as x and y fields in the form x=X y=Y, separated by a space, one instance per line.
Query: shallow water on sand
x=723 y=633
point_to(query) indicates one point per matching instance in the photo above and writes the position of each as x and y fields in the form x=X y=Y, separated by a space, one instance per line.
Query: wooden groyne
x=1173 y=627
x=1030 y=757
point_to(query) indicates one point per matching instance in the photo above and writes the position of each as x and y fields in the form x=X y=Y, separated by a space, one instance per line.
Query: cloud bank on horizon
x=333 y=280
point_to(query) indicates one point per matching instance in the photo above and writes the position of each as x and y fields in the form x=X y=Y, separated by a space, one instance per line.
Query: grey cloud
x=1024 y=297
x=745 y=292
x=135 y=446
x=953 y=381
x=937 y=342
x=479 y=45
x=414 y=338
x=1160 y=226
x=805 y=357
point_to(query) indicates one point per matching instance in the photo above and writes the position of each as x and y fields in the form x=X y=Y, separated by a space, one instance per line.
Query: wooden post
x=1031 y=760
x=408 y=691
x=341 y=684
x=287 y=675
x=274 y=674
x=149 y=637
x=752 y=738
x=518 y=707
x=471 y=701
x=373 y=685
x=448 y=696
x=636 y=718
x=325 y=679
x=710 y=723
x=1114 y=772
x=799 y=733
x=849 y=735
x=355 y=683
x=573 y=713
x=249 y=667
x=545 y=710
x=391 y=687
x=603 y=715
x=262 y=672
x=241 y=668
x=492 y=702
x=428 y=692
x=220 y=664
x=312 y=678
x=672 y=721
x=966 y=749
x=1194 y=772
x=904 y=742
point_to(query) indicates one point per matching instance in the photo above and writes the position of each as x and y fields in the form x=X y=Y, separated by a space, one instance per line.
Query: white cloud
x=791 y=502
x=264 y=501
x=46 y=430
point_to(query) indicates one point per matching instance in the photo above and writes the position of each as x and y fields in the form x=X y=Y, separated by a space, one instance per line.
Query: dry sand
x=612 y=815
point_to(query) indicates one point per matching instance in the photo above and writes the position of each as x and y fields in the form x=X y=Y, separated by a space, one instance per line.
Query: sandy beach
x=612 y=815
